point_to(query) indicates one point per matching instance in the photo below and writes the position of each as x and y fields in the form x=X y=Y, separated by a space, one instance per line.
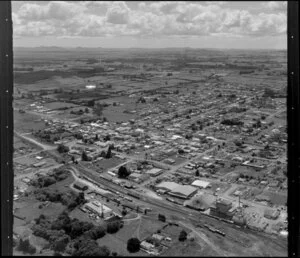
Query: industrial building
x=201 y=184
x=154 y=172
x=183 y=191
x=222 y=208
x=166 y=186
x=101 y=210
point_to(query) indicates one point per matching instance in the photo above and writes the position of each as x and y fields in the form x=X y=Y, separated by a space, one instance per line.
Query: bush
x=59 y=245
x=26 y=247
x=133 y=245
x=162 y=217
x=96 y=233
x=182 y=236
x=62 y=148
x=113 y=227
x=123 y=172
x=88 y=247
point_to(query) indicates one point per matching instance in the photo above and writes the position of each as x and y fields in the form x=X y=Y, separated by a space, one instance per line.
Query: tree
x=98 y=109
x=103 y=154
x=124 y=212
x=133 y=245
x=197 y=173
x=162 y=217
x=62 y=148
x=84 y=156
x=60 y=243
x=91 y=103
x=123 y=172
x=96 y=137
x=87 y=110
x=182 y=236
x=106 y=138
x=113 y=227
x=108 y=154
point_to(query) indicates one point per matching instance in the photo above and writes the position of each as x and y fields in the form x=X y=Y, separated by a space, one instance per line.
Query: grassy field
x=132 y=228
x=104 y=164
x=276 y=198
x=57 y=105
x=80 y=215
x=27 y=122
x=187 y=248
x=29 y=208
x=63 y=185
x=118 y=245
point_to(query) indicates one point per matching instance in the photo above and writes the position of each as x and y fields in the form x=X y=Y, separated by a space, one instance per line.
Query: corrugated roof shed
x=167 y=185
x=184 y=190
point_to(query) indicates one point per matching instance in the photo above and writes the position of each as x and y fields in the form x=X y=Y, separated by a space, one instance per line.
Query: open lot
x=104 y=164
x=25 y=123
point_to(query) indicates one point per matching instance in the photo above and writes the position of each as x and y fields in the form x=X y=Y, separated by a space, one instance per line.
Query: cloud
x=118 y=13
x=53 y=10
x=280 y=6
x=147 y=19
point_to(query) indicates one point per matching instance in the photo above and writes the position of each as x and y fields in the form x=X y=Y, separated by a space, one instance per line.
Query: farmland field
x=26 y=123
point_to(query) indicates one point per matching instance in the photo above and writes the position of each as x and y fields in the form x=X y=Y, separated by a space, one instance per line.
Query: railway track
x=194 y=217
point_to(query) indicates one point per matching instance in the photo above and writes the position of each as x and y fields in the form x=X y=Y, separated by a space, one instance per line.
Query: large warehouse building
x=167 y=186
x=177 y=190
x=183 y=191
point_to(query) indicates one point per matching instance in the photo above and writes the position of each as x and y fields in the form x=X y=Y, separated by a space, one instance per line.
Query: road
x=35 y=142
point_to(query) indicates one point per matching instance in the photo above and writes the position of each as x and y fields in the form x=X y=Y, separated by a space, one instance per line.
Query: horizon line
x=208 y=48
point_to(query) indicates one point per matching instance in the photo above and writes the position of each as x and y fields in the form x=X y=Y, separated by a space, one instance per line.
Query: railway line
x=194 y=217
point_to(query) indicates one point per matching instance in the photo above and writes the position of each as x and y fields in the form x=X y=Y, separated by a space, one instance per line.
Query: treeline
x=57 y=175
x=233 y=121
x=69 y=199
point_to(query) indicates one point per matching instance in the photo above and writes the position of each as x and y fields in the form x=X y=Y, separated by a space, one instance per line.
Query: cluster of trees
x=65 y=234
x=88 y=247
x=61 y=148
x=26 y=247
x=123 y=172
x=46 y=180
x=246 y=176
x=46 y=136
x=233 y=121
x=114 y=226
x=80 y=111
x=70 y=199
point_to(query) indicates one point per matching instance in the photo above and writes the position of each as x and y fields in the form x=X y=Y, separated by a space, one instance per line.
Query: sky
x=147 y=24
